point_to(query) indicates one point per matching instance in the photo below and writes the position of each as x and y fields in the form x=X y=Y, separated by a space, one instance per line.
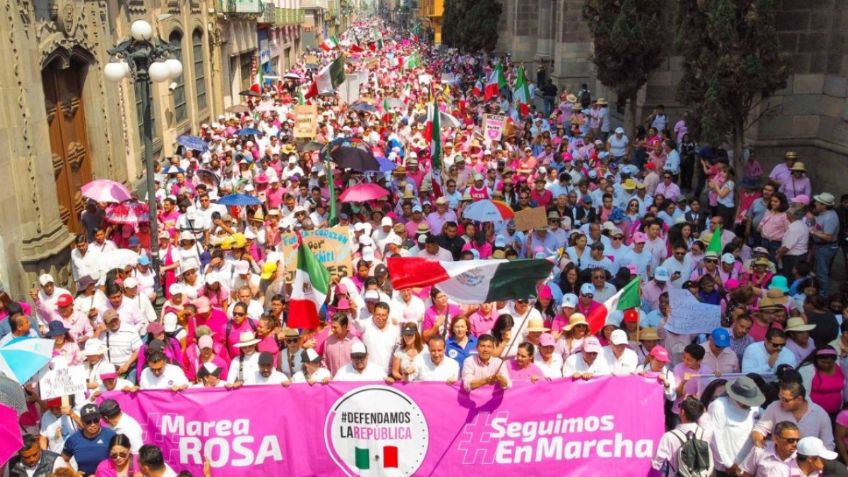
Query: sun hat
x=825 y=198
x=55 y=329
x=247 y=338
x=536 y=324
x=797 y=323
x=574 y=320
x=94 y=347
x=648 y=334
x=745 y=391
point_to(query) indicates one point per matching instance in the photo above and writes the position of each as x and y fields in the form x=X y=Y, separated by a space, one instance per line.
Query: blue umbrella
x=193 y=142
x=363 y=107
x=386 y=165
x=240 y=200
x=248 y=132
x=22 y=357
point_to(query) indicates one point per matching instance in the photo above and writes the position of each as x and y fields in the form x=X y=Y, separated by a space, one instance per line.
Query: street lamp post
x=145 y=59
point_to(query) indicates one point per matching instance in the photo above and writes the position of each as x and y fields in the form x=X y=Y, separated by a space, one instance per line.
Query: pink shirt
x=827 y=390
x=431 y=315
x=336 y=352
x=483 y=323
x=474 y=369
x=234 y=335
x=773 y=226
x=518 y=374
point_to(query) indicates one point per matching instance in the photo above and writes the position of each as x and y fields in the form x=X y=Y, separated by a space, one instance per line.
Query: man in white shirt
x=407 y=307
x=679 y=266
x=312 y=372
x=122 y=423
x=83 y=259
x=161 y=375
x=48 y=295
x=379 y=337
x=433 y=366
x=267 y=374
x=764 y=357
x=620 y=359
x=586 y=364
x=152 y=462
x=360 y=369
x=732 y=419
x=122 y=343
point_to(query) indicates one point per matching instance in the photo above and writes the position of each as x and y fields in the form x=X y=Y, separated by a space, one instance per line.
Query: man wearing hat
x=360 y=369
x=47 y=294
x=587 y=363
x=717 y=353
x=782 y=172
x=733 y=420
x=267 y=373
x=90 y=445
x=618 y=145
x=813 y=458
x=795 y=242
x=312 y=371
x=122 y=423
x=824 y=234
x=620 y=359
x=442 y=215
x=122 y=343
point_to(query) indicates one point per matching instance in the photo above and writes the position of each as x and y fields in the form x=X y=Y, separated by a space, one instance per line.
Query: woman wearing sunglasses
x=121 y=462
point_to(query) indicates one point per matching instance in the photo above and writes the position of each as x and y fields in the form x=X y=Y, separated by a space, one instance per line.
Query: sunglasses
x=791 y=440
x=777 y=345
x=711 y=260
x=292 y=340
x=239 y=313
x=91 y=420
x=119 y=455
x=588 y=295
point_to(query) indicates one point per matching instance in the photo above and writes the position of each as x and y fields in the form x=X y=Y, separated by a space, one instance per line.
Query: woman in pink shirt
x=521 y=367
x=824 y=378
x=775 y=223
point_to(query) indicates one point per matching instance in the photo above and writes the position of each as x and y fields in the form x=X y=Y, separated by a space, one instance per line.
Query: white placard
x=689 y=316
x=62 y=382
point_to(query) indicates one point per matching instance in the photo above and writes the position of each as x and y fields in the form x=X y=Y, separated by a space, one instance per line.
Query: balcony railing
x=313 y=4
x=244 y=7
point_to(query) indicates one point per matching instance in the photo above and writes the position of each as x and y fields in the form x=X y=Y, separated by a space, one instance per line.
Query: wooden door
x=68 y=139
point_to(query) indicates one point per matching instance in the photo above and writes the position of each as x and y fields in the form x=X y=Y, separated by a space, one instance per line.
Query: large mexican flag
x=624 y=299
x=309 y=290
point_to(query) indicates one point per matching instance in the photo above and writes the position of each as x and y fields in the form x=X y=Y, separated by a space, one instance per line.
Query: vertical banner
x=607 y=426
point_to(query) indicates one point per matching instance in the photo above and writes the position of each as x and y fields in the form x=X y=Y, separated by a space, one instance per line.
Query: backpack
x=585 y=98
x=694 y=458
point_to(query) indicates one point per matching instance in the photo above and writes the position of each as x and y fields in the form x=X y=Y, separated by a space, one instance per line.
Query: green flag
x=715 y=242
x=332 y=219
x=337 y=71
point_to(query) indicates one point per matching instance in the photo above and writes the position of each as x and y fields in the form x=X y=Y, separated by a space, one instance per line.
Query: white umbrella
x=120 y=258
x=448 y=121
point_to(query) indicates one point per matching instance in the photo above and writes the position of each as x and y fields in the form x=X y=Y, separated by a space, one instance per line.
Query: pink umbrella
x=10 y=434
x=363 y=193
x=130 y=213
x=105 y=190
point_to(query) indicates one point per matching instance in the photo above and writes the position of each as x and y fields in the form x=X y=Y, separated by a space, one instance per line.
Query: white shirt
x=575 y=364
x=276 y=377
x=372 y=372
x=128 y=426
x=121 y=344
x=552 y=369
x=755 y=359
x=250 y=367
x=319 y=375
x=171 y=376
x=731 y=428
x=626 y=364
x=380 y=343
x=427 y=371
x=402 y=311
x=56 y=430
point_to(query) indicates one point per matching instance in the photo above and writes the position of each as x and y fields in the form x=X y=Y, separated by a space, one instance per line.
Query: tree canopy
x=471 y=25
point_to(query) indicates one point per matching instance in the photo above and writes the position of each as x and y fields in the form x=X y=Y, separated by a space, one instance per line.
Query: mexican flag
x=259 y=81
x=436 y=142
x=471 y=281
x=355 y=48
x=521 y=94
x=362 y=457
x=494 y=83
x=310 y=287
x=478 y=88
x=410 y=62
x=328 y=79
x=332 y=219
x=329 y=43
x=624 y=299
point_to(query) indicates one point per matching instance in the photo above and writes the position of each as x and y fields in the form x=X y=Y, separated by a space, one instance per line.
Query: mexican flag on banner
x=471 y=281
x=329 y=43
x=624 y=299
x=310 y=287
x=329 y=78
x=363 y=458
x=494 y=83
x=521 y=94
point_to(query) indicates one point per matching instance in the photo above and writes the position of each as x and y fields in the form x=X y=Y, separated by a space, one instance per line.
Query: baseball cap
x=267 y=270
x=721 y=337
x=110 y=408
x=569 y=300
x=143 y=260
x=130 y=282
x=205 y=342
x=814 y=447
x=408 y=328
x=64 y=300
x=547 y=340
x=640 y=237
x=309 y=356
x=661 y=274
x=371 y=295
x=242 y=267
x=587 y=289
x=45 y=278
x=660 y=354
x=110 y=315
x=592 y=345
x=618 y=337
x=358 y=350
x=89 y=412
x=202 y=304
x=155 y=328
x=728 y=258
x=108 y=371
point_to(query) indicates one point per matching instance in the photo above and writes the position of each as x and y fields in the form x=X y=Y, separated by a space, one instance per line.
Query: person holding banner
x=586 y=363
x=312 y=371
x=484 y=368
x=360 y=369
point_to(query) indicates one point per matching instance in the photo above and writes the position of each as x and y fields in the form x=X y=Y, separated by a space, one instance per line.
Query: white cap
x=368 y=254
x=169 y=322
x=45 y=278
x=176 y=289
x=242 y=267
x=186 y=235
x=661 y=274
x=728 y=258
x=371 y=295
x=618 y=337
x=130 y=282
x=569 y=300
x=386 y=222
x=358 y=348
x=813 y=446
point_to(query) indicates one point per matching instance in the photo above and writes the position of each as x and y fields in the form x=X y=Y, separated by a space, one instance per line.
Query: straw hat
x=798 y=166
x=649 y=334
x=574 y=320
x=247 y=338
x=602 y=102
x=798 y=324
x=536 y=324
x=571 y=98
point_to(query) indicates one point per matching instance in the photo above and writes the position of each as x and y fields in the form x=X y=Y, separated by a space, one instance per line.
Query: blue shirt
x=458 y=353
x=89 y=452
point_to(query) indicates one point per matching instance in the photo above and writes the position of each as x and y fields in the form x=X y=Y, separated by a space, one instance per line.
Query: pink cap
x=633 y=269
x=639 y=237
x=592 y=345
x=731 y=284
x=204 y=341
x=546 y=340
x=340 y=288
x=802 y=199
x=545 y=293
x=658 y=353
x=202 y=304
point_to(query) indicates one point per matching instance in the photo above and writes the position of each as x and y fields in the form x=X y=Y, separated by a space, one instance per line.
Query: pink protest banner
x=607 y=426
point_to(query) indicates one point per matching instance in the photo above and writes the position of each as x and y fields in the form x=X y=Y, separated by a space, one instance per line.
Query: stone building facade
x=810 y=115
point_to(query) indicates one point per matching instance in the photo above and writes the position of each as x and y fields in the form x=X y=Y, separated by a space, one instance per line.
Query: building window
x=199 y=75
x=246 y=67
x=180 y=115
x=139 y=112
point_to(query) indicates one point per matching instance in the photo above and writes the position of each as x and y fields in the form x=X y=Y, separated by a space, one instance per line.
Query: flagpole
x=530 y=306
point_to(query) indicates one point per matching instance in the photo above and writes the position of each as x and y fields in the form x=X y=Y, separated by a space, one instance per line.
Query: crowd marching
x=762 y=394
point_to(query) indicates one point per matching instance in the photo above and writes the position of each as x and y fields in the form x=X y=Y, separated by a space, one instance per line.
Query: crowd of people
x=764 y=392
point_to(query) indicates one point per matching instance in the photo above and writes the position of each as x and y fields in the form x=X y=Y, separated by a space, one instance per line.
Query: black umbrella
x=312 y=146
x=355 y=158
x=249 y=92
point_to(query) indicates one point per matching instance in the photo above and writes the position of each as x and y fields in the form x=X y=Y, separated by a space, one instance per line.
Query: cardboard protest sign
x=306 y=120
x=689 y=316
x=534 y=218
x=332 y=247
x=493 y=126
x=62 y=382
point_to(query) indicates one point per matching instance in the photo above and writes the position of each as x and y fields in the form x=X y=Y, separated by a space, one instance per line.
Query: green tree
x=471 y=25
x=732 y=63
x=628 y=39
